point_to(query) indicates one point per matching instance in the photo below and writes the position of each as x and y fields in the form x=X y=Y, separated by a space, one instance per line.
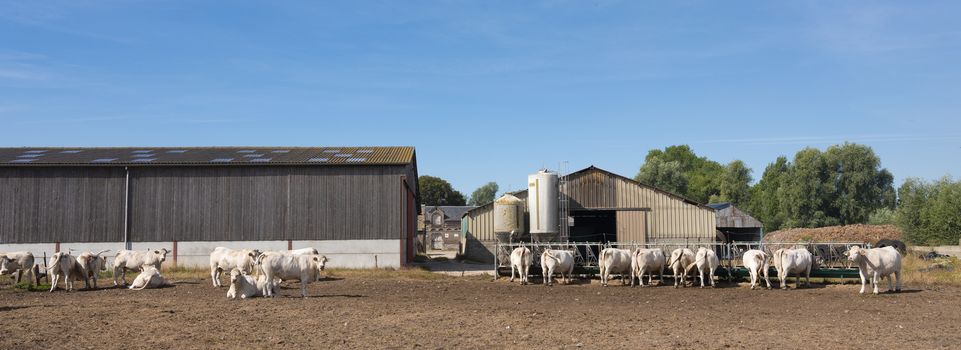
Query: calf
x=136 y=260
x=285 y=266
x=647 y=261
x=680 y=258
x=521 y=261
x=707 y=262
x=90 y=266
x=149 y=278
x=793 y=261
x=879 y=263
x=247 y=286
x=757 y=262
x=16 y=263
x=560 y=261
x=614 y=260
x=63 y=265
x=226 y=259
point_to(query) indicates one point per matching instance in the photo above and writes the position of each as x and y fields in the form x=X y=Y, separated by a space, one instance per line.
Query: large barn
x=357 y=205
x=606 y=207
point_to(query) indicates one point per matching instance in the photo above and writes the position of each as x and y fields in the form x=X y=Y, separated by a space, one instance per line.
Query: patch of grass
x=415 y=273
x=25 y=286
x=943 y=271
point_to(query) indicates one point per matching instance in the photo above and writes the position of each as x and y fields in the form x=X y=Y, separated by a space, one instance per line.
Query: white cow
x=560 y=261
x=793 y=261
x=247 y=286
x=136 y=260
x=149 y=278
x=614 y=260
x=226 y=259
x=680 y=258
x=757 y=262
x=303 y=251
x=91 y=264
x=707 y=262
x=307 y=268
x=879 y=263
x=18 y=263
x=647 y=261
x=63 y=265
x=521 y=261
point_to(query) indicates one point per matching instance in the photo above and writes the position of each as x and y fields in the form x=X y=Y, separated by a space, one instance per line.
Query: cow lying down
x=247 y=286
x=149 y=278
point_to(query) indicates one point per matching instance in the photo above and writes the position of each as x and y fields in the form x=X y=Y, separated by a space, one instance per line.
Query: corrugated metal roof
x=198 y=156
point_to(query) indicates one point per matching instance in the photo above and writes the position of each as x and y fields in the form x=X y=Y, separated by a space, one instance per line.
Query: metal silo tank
x=542 y=204
x=508 y=217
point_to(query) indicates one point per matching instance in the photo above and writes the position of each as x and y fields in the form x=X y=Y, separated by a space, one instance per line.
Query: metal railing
x=826 y=254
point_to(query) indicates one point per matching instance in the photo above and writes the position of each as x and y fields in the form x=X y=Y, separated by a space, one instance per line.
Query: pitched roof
x=200 y=156
x=451 y=212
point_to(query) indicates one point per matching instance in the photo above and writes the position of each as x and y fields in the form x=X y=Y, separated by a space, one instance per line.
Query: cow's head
x=855 y=253
x=161 y=254
x=4 y=265
x=321 y=261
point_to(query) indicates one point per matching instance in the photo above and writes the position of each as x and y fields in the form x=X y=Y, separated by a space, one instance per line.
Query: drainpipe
x=126 y=209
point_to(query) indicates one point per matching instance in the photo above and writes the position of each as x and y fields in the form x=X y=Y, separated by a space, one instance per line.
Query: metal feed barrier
x=830 y=261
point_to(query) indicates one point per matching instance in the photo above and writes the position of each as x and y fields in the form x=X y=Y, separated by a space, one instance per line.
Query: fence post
x=175 y=254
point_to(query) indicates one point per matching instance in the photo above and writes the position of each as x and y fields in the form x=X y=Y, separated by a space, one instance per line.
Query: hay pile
x=848 y=233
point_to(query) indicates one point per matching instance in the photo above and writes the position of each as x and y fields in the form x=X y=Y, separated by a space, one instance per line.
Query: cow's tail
x=525 y=254
x=141 y=287
x=606 y=255
x=102 y=251
x=547 y=253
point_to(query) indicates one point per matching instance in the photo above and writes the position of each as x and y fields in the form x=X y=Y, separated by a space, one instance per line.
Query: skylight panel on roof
x=221 y=160
x=103 y=160
x=177 y=151
x=253 y=155
x=36 y=151
x=23 y=160
x=356 y=160
x=32 y=155
x=260 y=160
x=318 y=160
x=246 y=151
x=144 y=160
x=280 y=151
x=73 y=151
x=365 y=151
x=331 y=151
x=143 y=155
x=142 y=151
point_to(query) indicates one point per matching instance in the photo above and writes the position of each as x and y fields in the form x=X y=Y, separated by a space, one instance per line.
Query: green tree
x=857 y=183
x=808 y=192
x=766 y=196
x=930 y=213
x=735 y=184
x=437 y=191
x=701 y=176
x=484 y=194
x=663 y=175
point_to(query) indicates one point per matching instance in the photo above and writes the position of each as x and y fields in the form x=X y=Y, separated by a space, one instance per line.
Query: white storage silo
x=508 y=217
x=542 y=205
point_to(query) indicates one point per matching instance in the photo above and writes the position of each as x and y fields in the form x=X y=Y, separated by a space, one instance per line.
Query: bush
x=883 y=216
x=929 y=211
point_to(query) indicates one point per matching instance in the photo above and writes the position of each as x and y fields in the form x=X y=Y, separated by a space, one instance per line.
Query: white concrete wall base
x=359 y=254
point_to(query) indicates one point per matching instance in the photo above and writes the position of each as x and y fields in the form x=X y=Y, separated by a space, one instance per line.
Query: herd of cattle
x=272 y=267
x=873 y=264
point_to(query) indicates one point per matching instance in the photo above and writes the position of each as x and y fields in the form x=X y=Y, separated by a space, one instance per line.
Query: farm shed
x=605 y=207
x=734 y=225
x=357 y=205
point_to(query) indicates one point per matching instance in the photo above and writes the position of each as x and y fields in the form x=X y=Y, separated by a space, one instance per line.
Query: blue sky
x=491 y=90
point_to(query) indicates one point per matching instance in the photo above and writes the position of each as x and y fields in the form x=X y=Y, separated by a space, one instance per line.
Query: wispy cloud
x=808 y=140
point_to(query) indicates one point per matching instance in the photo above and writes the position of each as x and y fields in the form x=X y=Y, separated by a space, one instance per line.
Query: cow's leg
x=214 y=275
x=19 y=275
x=303 y=287
x=890 y=283
x=897 y=275
x=545 y=275
x=513 y=267
x=53 y=284
x=864 y=280
x=874 y=281
x=712 y=277
x=782 y=275
x=766 y=278
x=807 y=277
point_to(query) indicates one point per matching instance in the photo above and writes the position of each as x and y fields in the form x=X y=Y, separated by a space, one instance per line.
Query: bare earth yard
x=377 y=312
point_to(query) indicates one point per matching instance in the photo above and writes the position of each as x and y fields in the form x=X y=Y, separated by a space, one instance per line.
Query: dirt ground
x=480 y=313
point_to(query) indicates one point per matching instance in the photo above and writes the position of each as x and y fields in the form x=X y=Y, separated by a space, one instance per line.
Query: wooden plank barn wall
x=249 y=202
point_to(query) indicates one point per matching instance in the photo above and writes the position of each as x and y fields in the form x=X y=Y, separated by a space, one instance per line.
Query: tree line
x=841 y=185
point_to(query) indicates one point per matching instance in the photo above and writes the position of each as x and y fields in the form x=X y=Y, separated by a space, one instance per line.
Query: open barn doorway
x=594 y=226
